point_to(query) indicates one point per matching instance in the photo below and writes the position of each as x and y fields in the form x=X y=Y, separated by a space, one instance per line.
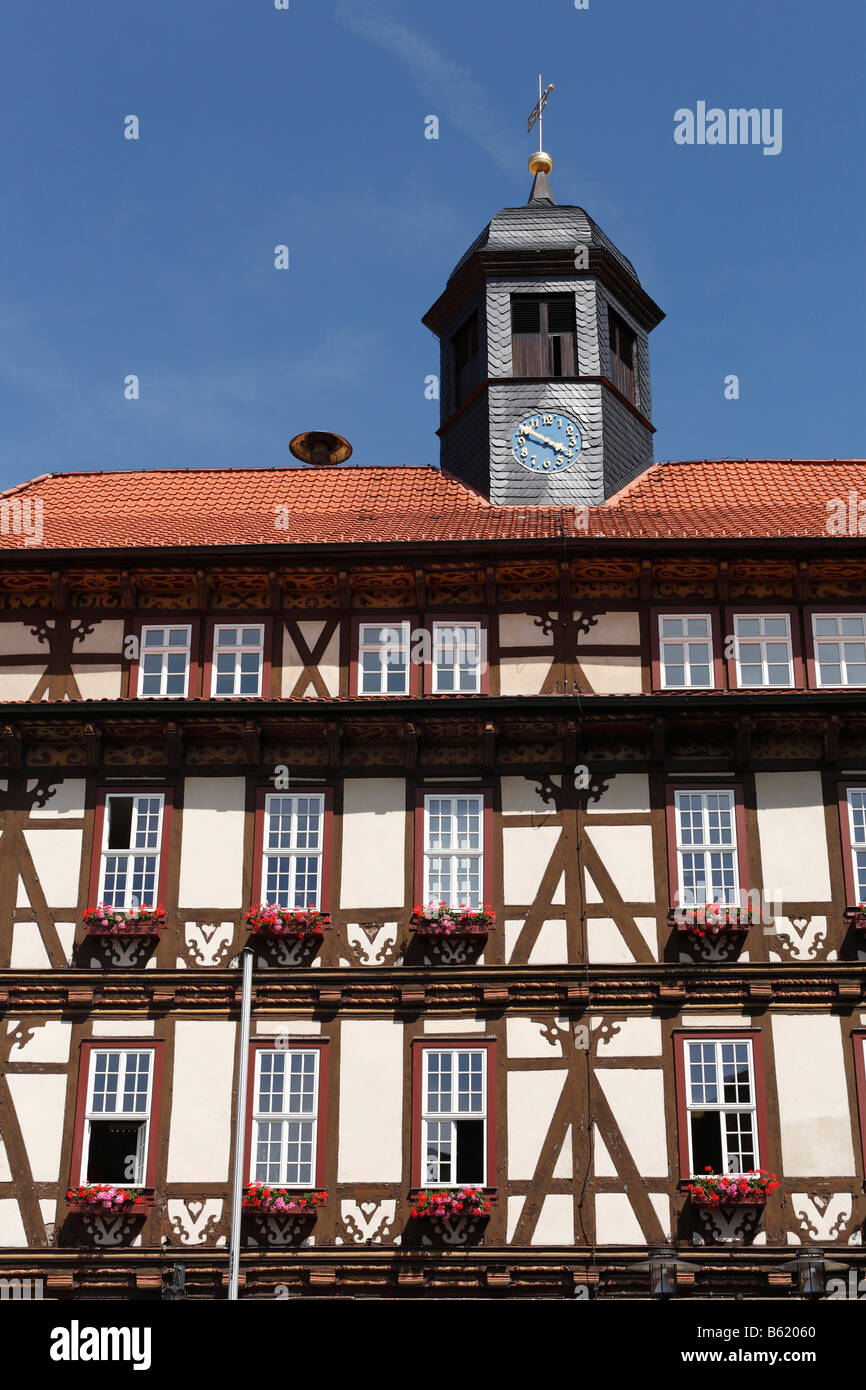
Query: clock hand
x=545 y=440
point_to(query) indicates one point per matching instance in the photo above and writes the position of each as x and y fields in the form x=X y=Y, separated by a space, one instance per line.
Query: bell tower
x=543 y=329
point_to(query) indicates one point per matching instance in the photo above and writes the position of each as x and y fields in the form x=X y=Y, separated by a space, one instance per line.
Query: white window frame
x=401 y=626
x=133 y=852
x=435 y=1117
x=456 y=648
x=238 y=649
x=762 y=640
x=686 y=642
x=305 y=1115
x=457 y=856
x=707 y=847
x=163 y=650
x=722 y=1107
x=143 y=1117
x=293 y=852
x=857 y=841
x=841 y=641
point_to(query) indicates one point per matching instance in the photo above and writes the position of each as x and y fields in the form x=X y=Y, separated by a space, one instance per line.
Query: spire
x=541 y=165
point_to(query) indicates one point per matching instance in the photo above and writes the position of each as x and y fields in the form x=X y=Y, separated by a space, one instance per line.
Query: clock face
x=546 y=442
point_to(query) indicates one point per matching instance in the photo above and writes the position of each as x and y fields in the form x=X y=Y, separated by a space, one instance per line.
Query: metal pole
x=240 y=1123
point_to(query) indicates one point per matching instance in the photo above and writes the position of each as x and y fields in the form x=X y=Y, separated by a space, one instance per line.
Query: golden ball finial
x=540 y=163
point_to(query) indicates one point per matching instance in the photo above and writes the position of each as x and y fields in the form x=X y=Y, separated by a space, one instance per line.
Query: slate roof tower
x=544 y=316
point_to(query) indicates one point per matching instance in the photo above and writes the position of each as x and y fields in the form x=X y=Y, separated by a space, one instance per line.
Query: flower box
x=450 y=1204
x=107 y=1199
x=282 y=1201
x=732 y=1189
x=120 y=921
x=267 y=920
x=711 y=920
x=856 y=916
x=439 y=920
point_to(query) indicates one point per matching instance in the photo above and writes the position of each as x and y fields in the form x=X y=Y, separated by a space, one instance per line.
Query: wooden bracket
x=490 y=587
x=832 y=730
x=14 y=745
x=658 y=741
x=645 y=581
x=744 y=740
x=93 y=746
x=252 y=743
x=128 y=596
x=410 y=747
x=329 y=998
x=59 y=591
x=335 y=734
x=569 y=745
x=564 y=588
x=344 y=590
x=420 y=590
x=671 y=996
x=412 y=997
x=174 y=744
x=202 y=589
x=802 y=582
x=79 y=997
x=489 y=755
x=723 y=581
x=275 y=591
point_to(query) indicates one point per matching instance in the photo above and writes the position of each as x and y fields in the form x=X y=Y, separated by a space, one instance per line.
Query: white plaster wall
x=532 y=1098
x=626 y=852
x=17 y=639
x=371 y=1101
x=374 y=842
x=520 y=797
x=616 y=1223
x=793 y=836
x=40 y=1104
x=606 y=943
x=56 y=855
x=634 y=1037
x=613 y=628
x=107 y=636
x=28 y=949
x=98 y=682
x=521 y=630
x=454 y=1025
x=123 y=1028
x=287 y=1027
x=523 y=675
x=212 y=842
x=18 y=682
x=11 y=1226
x=201 y=1109
x=67 y=803
x=637 y=1101
x=612 y=675
x=526 y=852
x=49 y=1043
x=525 y=1038
x=814 y=1107
x=627 y=792
x=550 y=946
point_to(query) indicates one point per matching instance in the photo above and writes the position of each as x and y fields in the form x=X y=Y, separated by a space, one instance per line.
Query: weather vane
x=535 y=113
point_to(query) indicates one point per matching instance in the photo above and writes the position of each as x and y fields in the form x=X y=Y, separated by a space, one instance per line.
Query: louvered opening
x=560 y=314
x=525 y=314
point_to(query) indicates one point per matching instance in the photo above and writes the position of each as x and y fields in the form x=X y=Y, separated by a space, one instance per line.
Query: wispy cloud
x=451 y=90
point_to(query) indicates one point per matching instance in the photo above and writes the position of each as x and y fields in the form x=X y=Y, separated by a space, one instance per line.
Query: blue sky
x=306 y=127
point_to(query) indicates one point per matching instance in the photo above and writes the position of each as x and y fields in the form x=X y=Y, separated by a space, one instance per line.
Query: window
x=543 y=335
x=457 y=657
x=706 y=848
x=720 y=1105
x=622 y=356
x=383 y=658
x=238 y=659
x=839 y=642
x=856 y=815
x=128 y=870
x=114 y=1137
x=287 y=1138
x=466 y=360
x=453 y=1113
x=292 y=849
x=164 y=659
x=763 y=649
x=454 y=850
x=686 y=651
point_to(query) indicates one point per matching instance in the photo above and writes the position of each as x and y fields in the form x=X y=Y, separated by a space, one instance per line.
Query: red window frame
x=457 y=789
x=858 y=1037
x=454 y=620
x=327 y=837
x=443 y=1042
x=752 y=610
x=708 y=785
x=825 y=610
x=136 y=789
x=305 y=1044
x=683 y=1035
x=852 y=897
x=385 y=620
x=248 y=620
x=697 y=610
x=88 y=1046
x=193 y=687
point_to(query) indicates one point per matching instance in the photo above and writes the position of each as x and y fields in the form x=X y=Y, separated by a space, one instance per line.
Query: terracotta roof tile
x=299 y=506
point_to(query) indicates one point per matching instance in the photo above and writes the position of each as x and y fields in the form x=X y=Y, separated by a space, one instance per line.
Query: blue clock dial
x=546 y=442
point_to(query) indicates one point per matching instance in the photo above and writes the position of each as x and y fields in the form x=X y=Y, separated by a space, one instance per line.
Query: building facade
x=361 y=692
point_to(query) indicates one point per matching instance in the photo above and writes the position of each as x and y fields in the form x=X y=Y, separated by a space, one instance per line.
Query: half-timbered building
x=580 y=694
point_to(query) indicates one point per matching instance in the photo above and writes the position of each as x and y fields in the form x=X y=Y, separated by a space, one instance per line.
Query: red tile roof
x=212 y=507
